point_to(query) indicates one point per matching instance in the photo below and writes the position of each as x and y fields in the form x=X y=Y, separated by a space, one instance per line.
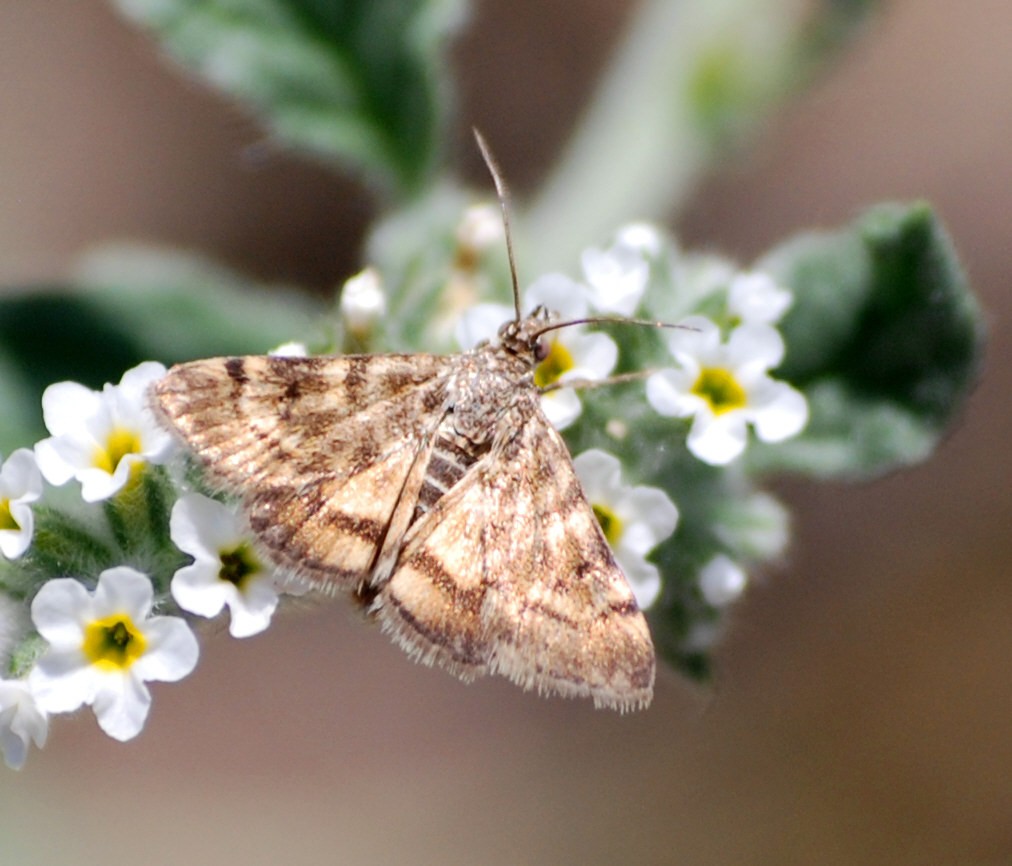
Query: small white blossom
x=725 y=386
x=363 y=302
x=21 y=722
x=480 y=228
x=574 y=354
x=100 y=437
x=225 y=570
x=721 y=580
x=618 y=276
x=20 y=484
x=634 y=519
x=103 y=646
x=643 y=237
x=480 y=324
x=291 y=349
x=754 y=298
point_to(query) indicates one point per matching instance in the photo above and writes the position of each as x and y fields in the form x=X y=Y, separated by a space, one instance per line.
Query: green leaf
x=885 y=338
x=131 y=305
x=356 y=81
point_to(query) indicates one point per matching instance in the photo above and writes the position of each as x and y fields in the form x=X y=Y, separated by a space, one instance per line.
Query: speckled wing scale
x=433 y=488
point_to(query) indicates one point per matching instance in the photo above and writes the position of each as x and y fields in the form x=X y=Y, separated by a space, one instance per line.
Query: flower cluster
x=113 y=568
x=102 y=640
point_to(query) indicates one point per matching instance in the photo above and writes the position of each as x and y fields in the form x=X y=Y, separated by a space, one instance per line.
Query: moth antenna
x=503 y=193
x=609 y=320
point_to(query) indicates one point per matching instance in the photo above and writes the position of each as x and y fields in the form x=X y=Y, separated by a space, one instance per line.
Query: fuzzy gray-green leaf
x=357 y=81
x=885 y=338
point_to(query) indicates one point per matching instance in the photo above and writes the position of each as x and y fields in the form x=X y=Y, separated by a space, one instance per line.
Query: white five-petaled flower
x=362 y=302
x=634 y=519
x=100 y=437
x=103 y=646
x=291 y=349
x=725 y=386
x=21 y=722
x=721 y=580
x=20 y=484
x=617 y=277
x=754 y=298
x=574 y=354
x=480 y=228
x=225 y=569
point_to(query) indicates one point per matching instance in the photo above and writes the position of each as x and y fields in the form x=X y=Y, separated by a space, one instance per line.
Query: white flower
x=721 y=580
x=291 y=349
x=618 y=276
x=754 y=298
x=363 y=302
x=479 y=228
x=224 y=571
x=634 y=519
x=100 y=437
x=103 y=646
x=480 y=324
x=643 y=237
x=574 y=354
x=21 y=721
x=726 y=386
x=20 y=484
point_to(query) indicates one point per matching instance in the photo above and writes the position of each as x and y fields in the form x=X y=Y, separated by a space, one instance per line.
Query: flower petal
x=201 y=526
x=717 y=440
x=20 y=479
x=754 y=297
x=63 y=681
x=756 y=346
x=594 y=355
x=199 y=589
x=558 y=294
x=643 y=577
x=252 y=612
x=669 y=392
x=64 y=404
x=651 y=511
x=779 y=412
x=562 y=407
x=172 y=651
x=122 y=706
x=123 y=590
x=480 y=324
x=59 y=610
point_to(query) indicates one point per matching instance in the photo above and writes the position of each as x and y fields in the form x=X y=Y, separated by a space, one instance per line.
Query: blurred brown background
x=863 y=707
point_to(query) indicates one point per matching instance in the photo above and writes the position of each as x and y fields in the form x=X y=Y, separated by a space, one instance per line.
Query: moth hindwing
x=435 y=489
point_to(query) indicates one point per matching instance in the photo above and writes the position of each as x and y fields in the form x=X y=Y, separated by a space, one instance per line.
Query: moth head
x=523 y=336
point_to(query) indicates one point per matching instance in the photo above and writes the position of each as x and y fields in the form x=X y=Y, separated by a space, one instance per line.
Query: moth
x=434 y=489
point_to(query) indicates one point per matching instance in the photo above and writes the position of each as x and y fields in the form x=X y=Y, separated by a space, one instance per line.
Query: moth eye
x=541 y=351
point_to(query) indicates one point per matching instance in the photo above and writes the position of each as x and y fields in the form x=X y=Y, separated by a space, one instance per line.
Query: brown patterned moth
x=435 y=490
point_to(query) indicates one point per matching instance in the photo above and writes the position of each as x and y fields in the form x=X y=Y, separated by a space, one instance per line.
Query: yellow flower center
x=113 y=643
x=610 y=522
x=119 y=443
x=238 y=565
x=7 y=520
x=558 y=361
x=720 y=389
